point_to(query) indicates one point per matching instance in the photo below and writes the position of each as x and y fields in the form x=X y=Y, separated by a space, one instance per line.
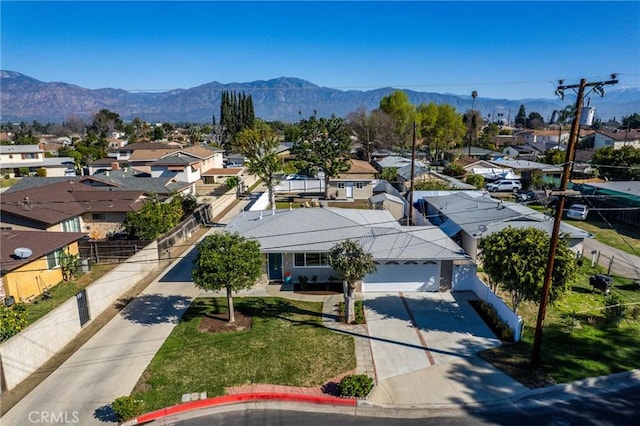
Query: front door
x=349 y=189
x=275 y=266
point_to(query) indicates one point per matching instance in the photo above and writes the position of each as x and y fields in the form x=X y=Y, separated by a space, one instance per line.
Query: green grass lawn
x=286 y=345
x=576 y=342
x=5 y=183
x=64 y=291
x=622 y=236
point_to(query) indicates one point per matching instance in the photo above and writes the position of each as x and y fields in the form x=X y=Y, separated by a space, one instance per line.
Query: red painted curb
x=232 y=399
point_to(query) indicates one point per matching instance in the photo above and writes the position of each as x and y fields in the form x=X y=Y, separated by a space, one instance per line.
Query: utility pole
x=568 y=162
x=472 y=119
x=413 y=162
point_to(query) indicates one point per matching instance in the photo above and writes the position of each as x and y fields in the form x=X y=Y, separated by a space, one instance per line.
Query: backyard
x=577 y=342
x=286 y=345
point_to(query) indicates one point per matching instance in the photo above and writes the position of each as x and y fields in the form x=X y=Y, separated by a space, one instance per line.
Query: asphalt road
x=618 y=408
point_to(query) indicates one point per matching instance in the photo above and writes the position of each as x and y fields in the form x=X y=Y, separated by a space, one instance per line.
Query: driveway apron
x=424 y=347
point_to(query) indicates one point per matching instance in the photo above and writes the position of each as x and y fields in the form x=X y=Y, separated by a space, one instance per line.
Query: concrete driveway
x=424 y=348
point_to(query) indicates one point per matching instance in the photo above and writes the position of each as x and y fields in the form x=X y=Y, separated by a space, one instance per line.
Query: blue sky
x=507 y=50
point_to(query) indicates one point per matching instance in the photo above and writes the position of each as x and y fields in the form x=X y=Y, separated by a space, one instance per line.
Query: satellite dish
x=22 y=252
x=482 y=228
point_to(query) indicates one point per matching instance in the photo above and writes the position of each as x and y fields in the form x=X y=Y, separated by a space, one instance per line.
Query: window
x=71 y=225
x=302 y=260
x=340 y=185
x=53 y=259
x=359 y=185
x=98 y=217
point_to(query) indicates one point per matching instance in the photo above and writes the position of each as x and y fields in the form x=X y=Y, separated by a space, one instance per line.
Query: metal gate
x=83 y=307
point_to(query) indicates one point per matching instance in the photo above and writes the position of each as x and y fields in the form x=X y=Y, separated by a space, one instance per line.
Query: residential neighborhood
x=291 y=213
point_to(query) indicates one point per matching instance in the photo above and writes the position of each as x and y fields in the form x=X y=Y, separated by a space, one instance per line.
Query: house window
x=99 y=217
x=71 y=225
x=391 y=262
x=53 y=259
x=340 y=185
x=359 y=185
x=302 y=260
x=29 y=156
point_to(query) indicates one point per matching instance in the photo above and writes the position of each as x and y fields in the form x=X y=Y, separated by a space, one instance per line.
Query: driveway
x=425 y=349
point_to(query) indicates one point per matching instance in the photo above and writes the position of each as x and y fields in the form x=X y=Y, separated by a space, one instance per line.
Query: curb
x=232 y=399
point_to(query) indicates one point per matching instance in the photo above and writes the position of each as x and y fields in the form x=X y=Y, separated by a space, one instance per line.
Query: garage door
x=404 y=277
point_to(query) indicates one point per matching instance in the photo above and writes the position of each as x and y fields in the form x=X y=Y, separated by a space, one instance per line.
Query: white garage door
x=403 y=277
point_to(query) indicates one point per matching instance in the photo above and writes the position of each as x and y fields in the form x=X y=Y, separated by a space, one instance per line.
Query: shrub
x=356 y=385
x=12 y=320
x=41 y=172
x=493 y=320
x=614 y=310
x=127 y=407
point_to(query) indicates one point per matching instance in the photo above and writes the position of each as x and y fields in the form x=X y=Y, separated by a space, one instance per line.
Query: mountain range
x=23 y=98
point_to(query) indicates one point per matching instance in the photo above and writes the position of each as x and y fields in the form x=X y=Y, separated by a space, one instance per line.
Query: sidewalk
x=110 y=363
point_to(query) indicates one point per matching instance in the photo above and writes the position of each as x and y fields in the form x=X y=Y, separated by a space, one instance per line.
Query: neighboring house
x=395 y=161
x=614 y=200
x=467 y=216
x=544 y=136
x=355 y=184
x=528 y=170
x=26 y=277
x=296 y=243
x=388 y=198
x=179 y=167
x=616 y=138
x=485 y=169
x=21 y=160
x=69 y=206
x=477 y=153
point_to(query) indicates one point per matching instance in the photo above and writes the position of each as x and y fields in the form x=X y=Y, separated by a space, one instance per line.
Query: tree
x=521 y=117
x=554 y=156
x=233 y=182
x=259 y=145
x=475 y=180
x=535 y=120
x=516 y=260
x=440 y=126
x=432 y=185
x=618 y=164
x=324 y=144
x=631 y=121
x=352 y=263
x=403 y=114
x=227 y=260
x=473 y=122
x=154 y=218
x=373 y=131
x=389 y=174
x=488 y=136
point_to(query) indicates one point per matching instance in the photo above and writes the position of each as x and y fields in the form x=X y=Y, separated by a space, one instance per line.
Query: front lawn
x=576 y=341
x=624 y=237
x=286 y=345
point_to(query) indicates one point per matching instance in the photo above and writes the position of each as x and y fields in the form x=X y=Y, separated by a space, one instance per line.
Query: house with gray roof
x=468 y=216
x=296 y=243
x=24 y=160
x=615 y=200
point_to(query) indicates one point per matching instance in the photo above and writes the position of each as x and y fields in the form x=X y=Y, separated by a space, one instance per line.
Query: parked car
x=295 y=177
x=531 y=196
x=504 y=185
x=578 y=212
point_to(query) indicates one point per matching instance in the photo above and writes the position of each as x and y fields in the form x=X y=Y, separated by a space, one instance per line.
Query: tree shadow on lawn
x=253 y=307
x=150 y=309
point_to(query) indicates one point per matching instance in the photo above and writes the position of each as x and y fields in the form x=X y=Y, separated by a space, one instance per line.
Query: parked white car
x=578 y=212
x=504 y=185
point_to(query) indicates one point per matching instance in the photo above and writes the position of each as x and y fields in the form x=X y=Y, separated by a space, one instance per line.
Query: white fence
x=306 y=185
x=28 y=350
x=465 y=278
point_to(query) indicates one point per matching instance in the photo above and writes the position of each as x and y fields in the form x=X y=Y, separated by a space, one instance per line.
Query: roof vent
x=22 y=252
